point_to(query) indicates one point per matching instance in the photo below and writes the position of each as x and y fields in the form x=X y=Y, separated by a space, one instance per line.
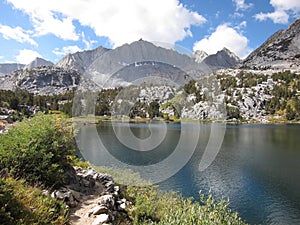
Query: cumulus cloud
x=241 y=5
x=283 y=9
x=17 y=34
x=224 y=36
x=26 y=56
x=66 y=50
x=47 y=20
x=120 y=21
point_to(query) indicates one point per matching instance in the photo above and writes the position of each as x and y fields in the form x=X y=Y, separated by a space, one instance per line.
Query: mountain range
x=142 y=60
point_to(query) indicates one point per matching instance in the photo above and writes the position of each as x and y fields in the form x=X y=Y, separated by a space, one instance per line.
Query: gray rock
x=107 y=200
x=99 y=209
x=46 y=193
x=100 y=219
x=122 y=206
x=66 y=196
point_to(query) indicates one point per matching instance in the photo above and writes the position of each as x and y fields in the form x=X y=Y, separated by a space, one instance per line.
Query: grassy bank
x=153 y=206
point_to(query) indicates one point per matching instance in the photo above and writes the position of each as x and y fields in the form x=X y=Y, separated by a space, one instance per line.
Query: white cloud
x=224 y=36
x=46 y=19
x=241 y=5
x=17 y=34
x=242 y=25
x=120 y=21
x=276 y=16
x=88 y=43
x=283 y=9
x=237 y=15
x=26 y=56
x=66 y=50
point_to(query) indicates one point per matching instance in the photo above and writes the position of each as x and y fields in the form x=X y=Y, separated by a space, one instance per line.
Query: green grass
x=21 y=203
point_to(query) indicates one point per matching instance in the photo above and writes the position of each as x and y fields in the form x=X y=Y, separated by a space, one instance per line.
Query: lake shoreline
x=100 y=119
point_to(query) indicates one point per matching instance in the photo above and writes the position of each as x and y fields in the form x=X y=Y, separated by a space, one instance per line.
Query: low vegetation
x=34 y=155
x=38 y=149
x=152 y=206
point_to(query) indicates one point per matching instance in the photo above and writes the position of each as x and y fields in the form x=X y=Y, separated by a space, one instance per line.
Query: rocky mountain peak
x=199 y=55
x=222 y=59
x=38 y=62
x=80 y=61
x=230 y=54
x=280 y=51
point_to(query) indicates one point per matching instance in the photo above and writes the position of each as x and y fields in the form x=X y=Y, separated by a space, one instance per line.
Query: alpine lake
x=256 y=166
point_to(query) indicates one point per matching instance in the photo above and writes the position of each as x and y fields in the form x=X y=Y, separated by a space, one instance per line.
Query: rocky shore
x=93 y=197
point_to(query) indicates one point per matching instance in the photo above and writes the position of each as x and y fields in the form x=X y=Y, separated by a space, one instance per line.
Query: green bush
x=38 y=149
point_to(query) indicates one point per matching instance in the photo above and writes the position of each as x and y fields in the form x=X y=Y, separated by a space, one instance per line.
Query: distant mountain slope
x=38 y=62
x=46 y=80
x=7 y=68
x=281 y=50
x=80 y=61
x=150 y=72
x=222 y=59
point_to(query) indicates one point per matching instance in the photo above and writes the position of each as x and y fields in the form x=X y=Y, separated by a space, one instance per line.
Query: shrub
x=38 y=149
x=151 y=206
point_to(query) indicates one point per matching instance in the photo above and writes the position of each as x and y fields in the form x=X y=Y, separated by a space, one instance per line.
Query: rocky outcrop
x=93 y=197
x=46 y=80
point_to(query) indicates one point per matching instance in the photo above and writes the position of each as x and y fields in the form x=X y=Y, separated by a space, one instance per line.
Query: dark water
x=257 y=167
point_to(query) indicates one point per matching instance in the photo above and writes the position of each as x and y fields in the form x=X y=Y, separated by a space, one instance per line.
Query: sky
x=51 y=29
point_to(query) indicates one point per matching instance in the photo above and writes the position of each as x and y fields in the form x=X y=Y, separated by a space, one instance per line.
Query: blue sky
x=52 y=28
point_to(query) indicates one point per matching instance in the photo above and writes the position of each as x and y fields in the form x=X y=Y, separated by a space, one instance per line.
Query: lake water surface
x=257 y=166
